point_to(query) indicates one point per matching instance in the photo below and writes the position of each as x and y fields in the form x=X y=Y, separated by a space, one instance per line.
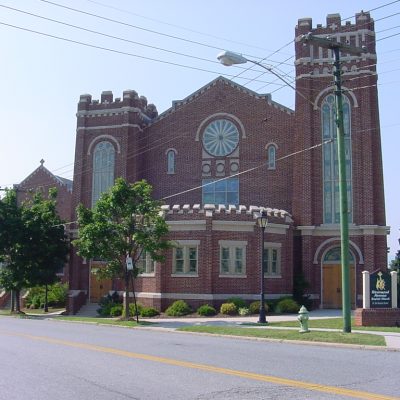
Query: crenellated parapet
x=211 y=210
x=358 y=34
x=108 y=107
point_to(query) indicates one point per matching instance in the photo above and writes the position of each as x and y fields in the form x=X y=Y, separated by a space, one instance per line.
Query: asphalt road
x=47 y=359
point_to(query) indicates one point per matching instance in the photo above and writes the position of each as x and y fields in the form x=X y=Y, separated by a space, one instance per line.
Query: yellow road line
x=209 y=368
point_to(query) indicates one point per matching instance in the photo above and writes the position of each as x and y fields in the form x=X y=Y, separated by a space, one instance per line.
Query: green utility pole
x=336 y=47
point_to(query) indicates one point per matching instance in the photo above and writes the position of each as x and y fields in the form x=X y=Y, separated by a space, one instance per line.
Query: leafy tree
x=32 y=242
x=125 y=222
x=48 y=244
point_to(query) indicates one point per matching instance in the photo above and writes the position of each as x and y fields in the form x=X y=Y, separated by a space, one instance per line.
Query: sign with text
x=381 y=290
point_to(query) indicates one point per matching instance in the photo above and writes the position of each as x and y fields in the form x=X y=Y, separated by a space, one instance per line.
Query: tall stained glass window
x=103 y=169
x=330 y=159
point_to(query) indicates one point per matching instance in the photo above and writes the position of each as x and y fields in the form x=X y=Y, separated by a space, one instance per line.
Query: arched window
x=330 y=159
x=171 y=161
x=103 y=169
x=271 y=156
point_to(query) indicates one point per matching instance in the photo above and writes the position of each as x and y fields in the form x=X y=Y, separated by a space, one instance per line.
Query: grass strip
x=313 y=336
x=335 y=323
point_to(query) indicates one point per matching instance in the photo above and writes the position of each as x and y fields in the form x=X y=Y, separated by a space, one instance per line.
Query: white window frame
x=277 y=247
x=186 y=245
x=232 y=245
x=146 y=264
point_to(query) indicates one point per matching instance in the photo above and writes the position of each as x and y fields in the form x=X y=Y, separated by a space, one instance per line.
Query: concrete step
x=88 y=310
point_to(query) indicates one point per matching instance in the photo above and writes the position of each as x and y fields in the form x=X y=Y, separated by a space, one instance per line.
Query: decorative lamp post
x=262 y=221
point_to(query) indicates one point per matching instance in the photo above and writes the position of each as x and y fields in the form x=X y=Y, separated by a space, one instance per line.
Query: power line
x=177 y=26
x=132 y=26
x=113 y=50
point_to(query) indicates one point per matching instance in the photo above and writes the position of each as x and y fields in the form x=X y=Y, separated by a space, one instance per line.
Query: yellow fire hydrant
x=303 y=319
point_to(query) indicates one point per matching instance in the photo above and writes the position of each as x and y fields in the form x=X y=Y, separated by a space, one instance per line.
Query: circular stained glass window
x=220 y=137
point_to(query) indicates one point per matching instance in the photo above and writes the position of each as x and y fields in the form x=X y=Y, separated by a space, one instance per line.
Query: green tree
x=125 y=222
x=48 y=244
x=32 y=242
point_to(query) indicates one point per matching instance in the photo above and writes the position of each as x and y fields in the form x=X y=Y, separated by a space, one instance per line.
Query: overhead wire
x=196 y=68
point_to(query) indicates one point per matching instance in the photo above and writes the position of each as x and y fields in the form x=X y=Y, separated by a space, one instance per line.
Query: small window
x=272 y=261
x=145 y=264
x=171 y=161
x=185 y=259
x=232 y=258
x=271 y=157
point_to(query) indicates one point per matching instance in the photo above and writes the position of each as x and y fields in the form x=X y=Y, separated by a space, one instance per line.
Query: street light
x=262 y=221
x=229 y=58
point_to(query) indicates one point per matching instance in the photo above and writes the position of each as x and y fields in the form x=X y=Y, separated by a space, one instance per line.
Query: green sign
x=380 y=290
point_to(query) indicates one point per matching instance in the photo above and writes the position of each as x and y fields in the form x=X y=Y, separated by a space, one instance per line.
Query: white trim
x=187 y=225
x=109 y=111
x=233 y=226
x=334 y=229
x=98 y=139
x=94 y=128
x=171 y=149
x=207 y=296
x=337 y=239
x=331 y=89
x=185 y=242
x=232 y=243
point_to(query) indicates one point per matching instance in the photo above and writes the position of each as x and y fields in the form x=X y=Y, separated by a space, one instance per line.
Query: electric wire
x=113 y=50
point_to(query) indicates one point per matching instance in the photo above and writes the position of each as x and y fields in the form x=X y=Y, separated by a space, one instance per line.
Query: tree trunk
x=46 y=290
x=134 y=299
x=17 y=300
x=12 y=301
x=126 y=299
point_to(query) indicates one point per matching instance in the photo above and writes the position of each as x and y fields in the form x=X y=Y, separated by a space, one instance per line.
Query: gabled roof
x=58 y=180
x=176 y=104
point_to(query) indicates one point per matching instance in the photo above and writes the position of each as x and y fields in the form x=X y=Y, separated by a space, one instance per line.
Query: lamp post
x=229 y=58
x=336 y=47
x=262 y=223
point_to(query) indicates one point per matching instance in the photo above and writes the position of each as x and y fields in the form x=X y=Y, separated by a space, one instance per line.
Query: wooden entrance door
x=332 y=287
x=98 y=287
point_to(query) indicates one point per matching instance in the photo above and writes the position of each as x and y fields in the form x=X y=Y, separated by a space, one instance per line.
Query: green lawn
x=314 y=336
x=335 y=323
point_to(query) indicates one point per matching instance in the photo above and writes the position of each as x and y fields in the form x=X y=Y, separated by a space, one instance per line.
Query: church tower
x=316 y=182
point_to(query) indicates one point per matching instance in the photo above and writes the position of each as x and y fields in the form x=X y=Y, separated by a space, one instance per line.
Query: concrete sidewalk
x=392 y=338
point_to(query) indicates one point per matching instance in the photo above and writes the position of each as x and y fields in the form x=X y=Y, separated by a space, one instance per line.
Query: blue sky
x=43 y=77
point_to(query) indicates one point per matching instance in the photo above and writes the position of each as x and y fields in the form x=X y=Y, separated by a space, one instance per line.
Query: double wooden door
x=98 y=287
x=332 y=286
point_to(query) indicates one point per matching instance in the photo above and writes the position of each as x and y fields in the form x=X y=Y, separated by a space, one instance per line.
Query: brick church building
x=222 y=154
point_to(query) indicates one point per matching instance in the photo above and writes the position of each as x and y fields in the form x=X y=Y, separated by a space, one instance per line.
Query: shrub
x=106 y=303
x=254 y=307
x=287 y=306
x=228 y=309
x=56 y=296
x=206 y=310
x=132 y=310
x=178 y=308
x=237 y=301
x=244 y=311
x=116 y=310
x=149 y=312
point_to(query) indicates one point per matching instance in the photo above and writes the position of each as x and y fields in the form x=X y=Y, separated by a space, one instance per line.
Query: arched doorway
x=332 y=279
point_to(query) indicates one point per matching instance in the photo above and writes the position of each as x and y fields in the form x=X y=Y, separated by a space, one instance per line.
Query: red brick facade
x=293 y=191
x=42 y=179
